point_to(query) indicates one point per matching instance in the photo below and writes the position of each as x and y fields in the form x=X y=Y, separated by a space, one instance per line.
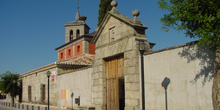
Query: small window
x=69 y=52
x=78 y=49
x=71 y=35
x=61 y=55
x=77 y=33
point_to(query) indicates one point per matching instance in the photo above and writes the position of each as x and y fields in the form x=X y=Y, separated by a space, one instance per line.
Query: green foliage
x=198 y=18
x=7 y=85
x=104 y=7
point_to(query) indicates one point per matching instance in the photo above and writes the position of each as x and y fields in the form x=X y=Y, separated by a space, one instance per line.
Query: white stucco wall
x=78 y=82
x=182 y=65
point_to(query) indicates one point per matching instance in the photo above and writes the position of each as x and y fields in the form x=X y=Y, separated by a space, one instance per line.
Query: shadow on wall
x=206 y=58
x=165 y=84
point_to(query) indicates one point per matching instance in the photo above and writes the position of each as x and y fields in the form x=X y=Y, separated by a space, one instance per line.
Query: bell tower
x=77 y=39
x=77 y=28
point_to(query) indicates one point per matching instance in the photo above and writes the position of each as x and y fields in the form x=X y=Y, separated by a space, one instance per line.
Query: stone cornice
x=69 y=44
x=80 y=39
x=43 y=68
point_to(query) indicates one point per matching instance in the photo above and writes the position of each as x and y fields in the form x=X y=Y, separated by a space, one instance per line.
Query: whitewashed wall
x=77 y=82
x=189 y=71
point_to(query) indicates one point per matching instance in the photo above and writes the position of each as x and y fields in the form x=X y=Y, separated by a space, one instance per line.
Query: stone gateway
x=101 y=70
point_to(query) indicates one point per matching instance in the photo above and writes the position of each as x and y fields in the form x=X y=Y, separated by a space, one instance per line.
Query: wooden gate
x=115 y=83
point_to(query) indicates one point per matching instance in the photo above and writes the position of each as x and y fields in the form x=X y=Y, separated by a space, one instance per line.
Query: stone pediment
x=122 y=19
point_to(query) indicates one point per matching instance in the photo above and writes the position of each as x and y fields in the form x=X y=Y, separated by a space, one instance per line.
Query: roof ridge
x=84 y=59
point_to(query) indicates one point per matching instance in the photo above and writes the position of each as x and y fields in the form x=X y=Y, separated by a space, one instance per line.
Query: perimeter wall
x=189 y=72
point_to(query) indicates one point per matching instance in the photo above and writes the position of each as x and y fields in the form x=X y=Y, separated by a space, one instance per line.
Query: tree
x=199 y=19
x=104 y=7
x=8 y=84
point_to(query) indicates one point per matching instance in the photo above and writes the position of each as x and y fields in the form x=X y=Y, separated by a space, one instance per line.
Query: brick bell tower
x=77 y=39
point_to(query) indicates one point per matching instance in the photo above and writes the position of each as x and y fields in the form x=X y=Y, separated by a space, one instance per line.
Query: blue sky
x=30 y=30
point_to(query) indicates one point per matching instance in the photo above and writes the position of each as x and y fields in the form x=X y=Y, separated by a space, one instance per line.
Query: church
x=101 y=70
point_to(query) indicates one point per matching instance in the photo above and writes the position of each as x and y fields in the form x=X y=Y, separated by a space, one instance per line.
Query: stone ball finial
x=136 y=12
x=114 y=3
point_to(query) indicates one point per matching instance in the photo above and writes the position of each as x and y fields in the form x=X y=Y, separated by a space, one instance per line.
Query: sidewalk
x=28 y=106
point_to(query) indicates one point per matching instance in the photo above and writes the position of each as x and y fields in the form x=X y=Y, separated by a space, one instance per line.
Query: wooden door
x=115 y=74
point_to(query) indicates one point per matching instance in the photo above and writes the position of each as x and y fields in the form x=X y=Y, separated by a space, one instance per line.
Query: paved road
x=42 y=107
x=7 y=108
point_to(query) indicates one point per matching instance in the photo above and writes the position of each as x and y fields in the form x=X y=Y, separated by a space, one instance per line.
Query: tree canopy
x=104 y=7
x=198 y=18
x=8 y=83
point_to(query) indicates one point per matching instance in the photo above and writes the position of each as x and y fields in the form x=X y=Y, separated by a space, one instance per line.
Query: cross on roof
x=77 y=3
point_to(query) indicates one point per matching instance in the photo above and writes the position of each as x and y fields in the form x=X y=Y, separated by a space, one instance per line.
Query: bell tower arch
x=77 y=28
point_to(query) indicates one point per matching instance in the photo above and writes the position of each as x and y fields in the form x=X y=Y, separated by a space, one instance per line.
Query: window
x=69 y=52
x=77 y=33
x=78 y=49
x=112 y=34
x=71 y=35
x=61 y=55
x=29 y=93
x=43 y=92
